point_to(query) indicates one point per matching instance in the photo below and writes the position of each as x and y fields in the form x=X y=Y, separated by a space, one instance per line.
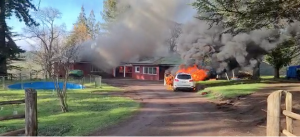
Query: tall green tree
x=111 y=10
x=82 y=19
x=109 y=13
x=93 y=25
x=243 y=16
x=283 y=55
x=8 y=48
x=81 y=30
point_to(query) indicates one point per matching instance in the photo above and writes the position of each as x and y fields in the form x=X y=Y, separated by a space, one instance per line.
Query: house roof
x=170 y=60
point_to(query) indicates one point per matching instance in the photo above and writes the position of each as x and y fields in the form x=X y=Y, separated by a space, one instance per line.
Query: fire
x=196 y=73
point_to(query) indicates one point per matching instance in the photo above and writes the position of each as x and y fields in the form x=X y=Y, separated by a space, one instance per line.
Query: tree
x=283 y=55
x=93 y=25
x=175 y=31
x=81 y=30
x=9 y=50
x=65 y=55
x=46 y=34
x=109 y=13
x=243 y=16
x=82 y=19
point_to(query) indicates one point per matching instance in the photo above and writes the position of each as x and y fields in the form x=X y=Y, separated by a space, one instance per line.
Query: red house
x=150 y=69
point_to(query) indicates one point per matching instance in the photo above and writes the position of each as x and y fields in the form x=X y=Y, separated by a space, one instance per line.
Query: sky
x=70 y=10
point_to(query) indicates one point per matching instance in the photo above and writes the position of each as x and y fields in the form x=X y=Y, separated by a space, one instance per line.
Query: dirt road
x=168 y=113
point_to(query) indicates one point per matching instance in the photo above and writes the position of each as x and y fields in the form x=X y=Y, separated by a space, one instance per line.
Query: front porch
x=124 y=71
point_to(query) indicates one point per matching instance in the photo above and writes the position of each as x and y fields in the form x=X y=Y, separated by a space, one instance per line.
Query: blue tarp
x=44 y=85
x=291 y=71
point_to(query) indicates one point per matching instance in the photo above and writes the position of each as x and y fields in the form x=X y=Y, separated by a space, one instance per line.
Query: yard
x=88 y=112
x=223 y=89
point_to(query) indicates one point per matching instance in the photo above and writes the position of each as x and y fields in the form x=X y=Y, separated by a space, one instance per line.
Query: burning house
x=147 y=69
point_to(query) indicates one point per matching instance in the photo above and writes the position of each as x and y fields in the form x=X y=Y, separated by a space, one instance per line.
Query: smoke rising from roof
x=140 y=30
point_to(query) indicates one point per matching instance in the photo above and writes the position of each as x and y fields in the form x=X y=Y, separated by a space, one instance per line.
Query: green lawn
x=223 y=89
x=88 y=112
x=231 y=91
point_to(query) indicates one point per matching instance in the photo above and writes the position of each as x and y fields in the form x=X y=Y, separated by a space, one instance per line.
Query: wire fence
x=90 y=80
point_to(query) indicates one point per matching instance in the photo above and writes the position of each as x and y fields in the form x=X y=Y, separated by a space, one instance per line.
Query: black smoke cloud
x=227 y=52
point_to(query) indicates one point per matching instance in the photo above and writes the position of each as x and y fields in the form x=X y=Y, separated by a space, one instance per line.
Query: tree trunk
x=276 y=72
x=63 y=93
x=63 y=104
x=256 y=72
x=3 y=61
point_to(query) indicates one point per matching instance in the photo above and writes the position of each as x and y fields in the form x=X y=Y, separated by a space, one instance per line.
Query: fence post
x=289 y=107
x=21 y=81
x=90 y=78
x=100 y=81
x=3 y=82
x=31 y=123
x=82 y=82
x=95 y=81
x=30 y=75
x=273 y=114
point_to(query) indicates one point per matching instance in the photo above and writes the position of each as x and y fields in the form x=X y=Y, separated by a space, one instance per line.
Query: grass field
x=223 y=89
x=231 y=91
x=88 y=112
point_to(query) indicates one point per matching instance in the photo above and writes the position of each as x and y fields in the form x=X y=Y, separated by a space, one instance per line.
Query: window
x=95 y=69
x=137 y=69
x=150 y=70
x=184 y=76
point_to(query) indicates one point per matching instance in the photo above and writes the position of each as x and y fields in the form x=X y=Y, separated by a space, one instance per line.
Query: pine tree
x=82 y=17
x=110 y=12
x=8 y=48
x=244 y=16
x=93 y=25
x=81 y=30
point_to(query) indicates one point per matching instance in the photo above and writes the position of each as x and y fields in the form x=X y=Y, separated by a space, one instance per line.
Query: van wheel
x=174 y=89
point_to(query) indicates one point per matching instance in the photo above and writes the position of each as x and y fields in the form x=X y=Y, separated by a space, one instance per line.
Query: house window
x=150 y=70
x=95 y=69
x=137 y=69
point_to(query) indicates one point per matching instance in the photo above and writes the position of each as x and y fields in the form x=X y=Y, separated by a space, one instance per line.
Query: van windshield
x=184 y=76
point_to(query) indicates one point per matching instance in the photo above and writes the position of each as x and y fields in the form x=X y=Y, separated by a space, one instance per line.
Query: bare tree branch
x=46 y=34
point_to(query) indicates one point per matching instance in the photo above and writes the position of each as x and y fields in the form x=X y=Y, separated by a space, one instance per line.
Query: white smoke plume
x=140 y=30
x=226 y=52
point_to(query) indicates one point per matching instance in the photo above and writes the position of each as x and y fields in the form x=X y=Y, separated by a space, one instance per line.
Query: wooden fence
x=31 y=124
x=274 y=112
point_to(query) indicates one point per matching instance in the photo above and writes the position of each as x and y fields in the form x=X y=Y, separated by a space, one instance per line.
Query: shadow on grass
x=87 y=111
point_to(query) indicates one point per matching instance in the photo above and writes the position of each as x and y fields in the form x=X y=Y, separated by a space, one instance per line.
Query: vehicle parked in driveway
x=184 y=81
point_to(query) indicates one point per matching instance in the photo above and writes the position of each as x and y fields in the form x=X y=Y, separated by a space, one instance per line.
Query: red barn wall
x=142 y=76
x=85 y=67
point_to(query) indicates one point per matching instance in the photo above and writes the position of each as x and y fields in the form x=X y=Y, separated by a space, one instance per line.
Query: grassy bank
x=223 y=89
x=88 y=112
x=231 y=91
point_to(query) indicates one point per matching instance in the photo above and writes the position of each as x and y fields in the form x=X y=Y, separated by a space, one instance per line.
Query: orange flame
x=197 y=74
